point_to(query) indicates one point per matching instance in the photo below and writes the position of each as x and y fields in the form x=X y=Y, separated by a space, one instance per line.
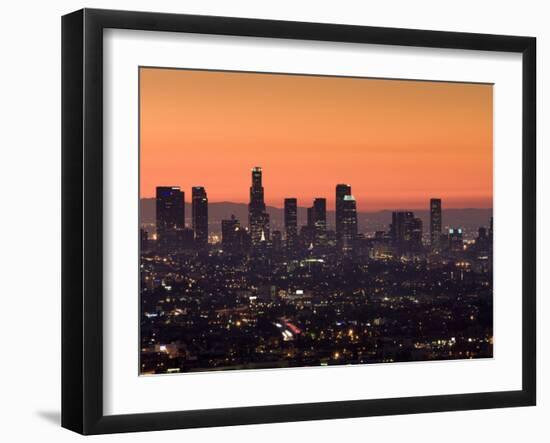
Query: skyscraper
x=199 y=209
x=291 y=223
x=230 y=234
x=416 y=227
x=400 y=221
x=320 y=220
x=456 y=243
x=341 y=191
x=310 y=217
x=348 y=222
x=258 y=219
x=320 y=213
x=435 y=224
x=406 y=232
x=307 y=232
x=170 y=215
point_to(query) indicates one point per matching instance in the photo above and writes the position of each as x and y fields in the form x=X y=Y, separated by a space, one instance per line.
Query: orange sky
x=397 y=143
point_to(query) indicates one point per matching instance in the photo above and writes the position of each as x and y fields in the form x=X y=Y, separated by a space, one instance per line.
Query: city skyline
x=257 y=207
x=422 y=206
x=405 y=230
x=181 y=137
x=343 y=192
x=307 y=295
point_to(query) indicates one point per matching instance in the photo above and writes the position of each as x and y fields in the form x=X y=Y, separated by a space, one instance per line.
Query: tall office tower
x=348 y=223
x=170 y=206
x=401 y=231
x=307 y=232
x=199 y=208
x=435 y=224
x=416 y=227
x=258 y=219
x=320 y=213
x=491 y=228
x=310 y=217
x=456 y=243
x=291 y=223
x=400 y=226
x=320 y=220
x=341 y=192
x=230 y=234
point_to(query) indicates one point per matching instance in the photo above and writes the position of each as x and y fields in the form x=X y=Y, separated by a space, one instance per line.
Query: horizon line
x=406 y=208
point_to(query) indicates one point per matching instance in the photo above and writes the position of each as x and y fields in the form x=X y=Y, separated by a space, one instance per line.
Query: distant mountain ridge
x=468 y=218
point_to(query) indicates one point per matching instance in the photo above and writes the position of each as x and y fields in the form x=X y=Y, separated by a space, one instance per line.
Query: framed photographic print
x=269 y=221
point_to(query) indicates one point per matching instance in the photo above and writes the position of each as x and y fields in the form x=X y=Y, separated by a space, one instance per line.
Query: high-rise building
x=320 y=220
x=406 y=232
x=291 y=223
x=456 y=243
x=400 y=223
x=258 y=218
x=416 y=227
x=307 y=232
x=348 y=222
x=310 y=217
x=435 y=223
x=170 y=215
x=230 y=234
x=199 y=208
x=341 y=191
x=320 y=213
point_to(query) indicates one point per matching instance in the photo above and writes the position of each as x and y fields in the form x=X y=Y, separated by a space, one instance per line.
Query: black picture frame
x=82 y=232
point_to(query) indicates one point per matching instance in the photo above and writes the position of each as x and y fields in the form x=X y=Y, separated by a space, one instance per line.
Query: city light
x=310 y=285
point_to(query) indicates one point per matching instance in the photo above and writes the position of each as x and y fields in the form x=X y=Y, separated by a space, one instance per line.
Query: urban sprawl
x=255 y=297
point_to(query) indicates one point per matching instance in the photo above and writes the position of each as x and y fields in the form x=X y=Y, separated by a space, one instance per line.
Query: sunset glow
x=397 y=143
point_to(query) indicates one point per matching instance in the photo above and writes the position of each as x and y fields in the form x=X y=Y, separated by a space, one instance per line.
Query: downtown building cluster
x=405 y=237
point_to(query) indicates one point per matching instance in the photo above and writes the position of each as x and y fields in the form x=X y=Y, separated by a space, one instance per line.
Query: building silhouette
x=341 y=191
x=435 y=224
x=230 y=234
x=406 y=232
x=307 y=232
x=456 y=242
x=348 y=223
x=311 y=217
x=170 y=215
x=319 y=213
x=291 y=223
x=199 y=209
x=416 y=227
x=258 y=219
x=400 y=223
